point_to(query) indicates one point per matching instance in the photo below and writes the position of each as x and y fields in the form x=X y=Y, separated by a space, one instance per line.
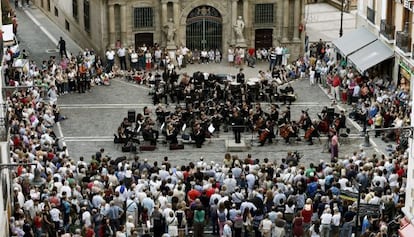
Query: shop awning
x=370 y=55
x=353 y=41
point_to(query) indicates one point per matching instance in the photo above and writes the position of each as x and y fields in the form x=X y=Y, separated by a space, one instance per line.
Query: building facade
x=392 y=21
x=100 y=24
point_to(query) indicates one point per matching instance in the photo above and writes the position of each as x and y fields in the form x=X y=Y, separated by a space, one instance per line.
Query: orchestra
x=214 y=103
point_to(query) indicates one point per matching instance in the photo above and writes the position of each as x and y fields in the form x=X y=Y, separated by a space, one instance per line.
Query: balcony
x=403 y=41
x=371 y=15
x=387 y=30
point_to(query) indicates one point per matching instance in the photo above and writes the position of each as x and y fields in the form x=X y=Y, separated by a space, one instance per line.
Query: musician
x=198 y=135
x=149 y=134
x=340 y=122
x=240 y=78
x=288 y=130
x=285 y=116
x=274 y=113
x=324 y=113
x=267 y=133
x=288 y=94
x=171 y=133
x=237 y=123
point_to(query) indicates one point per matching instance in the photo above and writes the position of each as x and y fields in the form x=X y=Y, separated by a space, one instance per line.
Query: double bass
x=309 y=132
x=285 y=130
x=263 y=135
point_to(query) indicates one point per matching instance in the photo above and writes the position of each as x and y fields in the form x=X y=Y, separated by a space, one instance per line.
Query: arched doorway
x=204 y=28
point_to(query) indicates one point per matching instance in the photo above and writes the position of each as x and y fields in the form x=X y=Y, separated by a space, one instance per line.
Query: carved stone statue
x=239 y=29
x=169 y=30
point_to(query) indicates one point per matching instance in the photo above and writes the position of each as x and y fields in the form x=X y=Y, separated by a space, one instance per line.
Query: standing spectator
x=199 y=218
x=227 y=229
x=62 y=48
x=266 y=226
x=221 y=217
x=272 y=59
x=148 y=60
x=336 y=82
x=336 y=221
x=326 y=220
x=172 y=224
x=247 y=222
x=297 y=226
x=312 y=76
x=334 y=146
x=279 y=55
x=122 y=57
x=110 y=58
x=114 y=214
x=134 y=60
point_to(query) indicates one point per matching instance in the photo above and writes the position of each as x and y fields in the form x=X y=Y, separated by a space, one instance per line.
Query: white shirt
x=336 y=219
x=326 y=218
x=227 y=231
x=266 y=224
x=86 y=218
x=121 y=52
x=279 y=50
x=134 y=57
x=54 y=214
x=110 y=55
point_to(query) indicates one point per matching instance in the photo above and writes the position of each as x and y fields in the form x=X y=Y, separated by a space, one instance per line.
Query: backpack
x=180 y=218
x=222 y=216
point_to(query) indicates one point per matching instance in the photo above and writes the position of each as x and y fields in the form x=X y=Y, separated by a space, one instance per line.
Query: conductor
x=237 y=124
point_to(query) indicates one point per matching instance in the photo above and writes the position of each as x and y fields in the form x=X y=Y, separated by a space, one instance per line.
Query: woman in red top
x=298 y=225
x=38 y=222
x=307 y=214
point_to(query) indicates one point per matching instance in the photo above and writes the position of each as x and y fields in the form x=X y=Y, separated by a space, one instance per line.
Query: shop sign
x=407 y=69
x=407 y=4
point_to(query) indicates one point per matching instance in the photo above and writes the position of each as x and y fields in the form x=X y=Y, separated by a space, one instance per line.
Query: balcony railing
x=371 y=15
x=387 y=30
x=403 y=41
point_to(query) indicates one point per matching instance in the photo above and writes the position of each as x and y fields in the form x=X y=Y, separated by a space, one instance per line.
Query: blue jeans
x=346 y=230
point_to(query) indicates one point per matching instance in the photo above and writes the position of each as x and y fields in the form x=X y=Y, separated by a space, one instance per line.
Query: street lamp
x=342 y=19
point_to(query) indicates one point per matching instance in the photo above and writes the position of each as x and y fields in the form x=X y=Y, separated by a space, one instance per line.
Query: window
x=86 y=18
x=143 y=17
x=75 y=10
x=67 y=25
x=263 y=13
x=48 y=5
x=56 y=11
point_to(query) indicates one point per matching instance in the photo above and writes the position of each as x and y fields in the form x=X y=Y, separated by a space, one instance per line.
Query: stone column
x=111 y=25
x=247 y=33
x=285 y=24
x=163 y=13
x=176 y=15
x=296 y=19
x=233 y=19
x=124 y=25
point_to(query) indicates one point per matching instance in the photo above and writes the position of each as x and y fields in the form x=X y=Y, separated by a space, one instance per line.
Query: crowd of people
x=245 y=196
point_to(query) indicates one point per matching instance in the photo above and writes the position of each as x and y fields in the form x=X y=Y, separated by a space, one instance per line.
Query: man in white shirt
x=110 y=58
x=326 y=220
x=134 y=60
x=122 y=57
x=279 y=55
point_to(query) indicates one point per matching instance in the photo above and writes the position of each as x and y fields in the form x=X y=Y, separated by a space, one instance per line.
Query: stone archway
x=204 y=28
